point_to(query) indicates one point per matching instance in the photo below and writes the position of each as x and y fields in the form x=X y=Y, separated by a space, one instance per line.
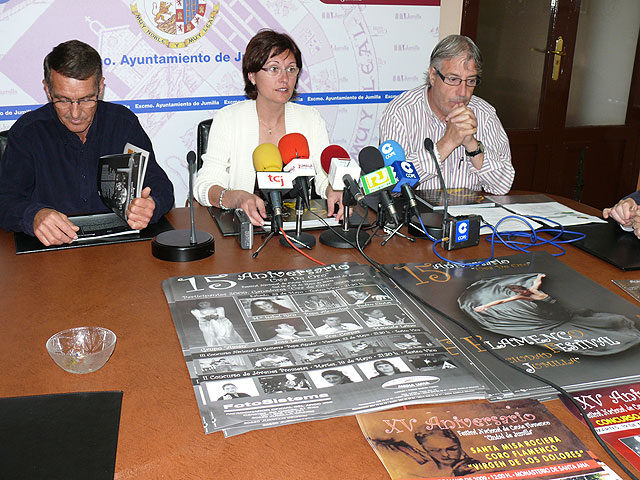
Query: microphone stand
x=347 y=237
x=276 y=220
x=433 y=221
x=396 y=231
x=303 y=239
x=184 y=245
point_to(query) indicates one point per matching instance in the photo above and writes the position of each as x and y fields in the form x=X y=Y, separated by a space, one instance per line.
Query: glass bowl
x=81 y=349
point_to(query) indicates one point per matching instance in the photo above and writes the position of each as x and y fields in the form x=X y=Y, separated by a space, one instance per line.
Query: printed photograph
x=255 y=307
x=317 y=302
x=336 y=322
x=335 y=376
x=291 y=328
x=290 y=382
x=386 y=367
x=364 y=294
x=384 y=316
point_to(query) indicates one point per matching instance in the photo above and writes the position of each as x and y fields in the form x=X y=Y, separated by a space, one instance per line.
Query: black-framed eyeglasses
x=82 y=103
x=456 y=81
x=275 y=70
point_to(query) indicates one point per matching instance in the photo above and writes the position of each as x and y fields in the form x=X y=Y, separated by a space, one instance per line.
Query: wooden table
x=119 y=287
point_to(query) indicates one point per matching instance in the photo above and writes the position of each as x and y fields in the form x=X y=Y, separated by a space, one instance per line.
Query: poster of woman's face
x=384 y=367
x=331 y=377
x=269 y=305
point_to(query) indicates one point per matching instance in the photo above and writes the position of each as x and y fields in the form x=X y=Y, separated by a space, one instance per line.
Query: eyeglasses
x=275 y=71
x=82 y=103
x=455 y=81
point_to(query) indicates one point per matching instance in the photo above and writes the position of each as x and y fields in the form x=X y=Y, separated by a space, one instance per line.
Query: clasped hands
x=462 y=125
x=54 y=228
x=626 y=213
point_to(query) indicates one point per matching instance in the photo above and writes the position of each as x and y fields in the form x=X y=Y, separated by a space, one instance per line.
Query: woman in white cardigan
x=271 y=67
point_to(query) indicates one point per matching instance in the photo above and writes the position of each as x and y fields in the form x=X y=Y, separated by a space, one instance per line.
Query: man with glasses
x=469 y=140
x=49 y=168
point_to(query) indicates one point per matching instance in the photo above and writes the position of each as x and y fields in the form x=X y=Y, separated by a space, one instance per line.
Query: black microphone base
x=302 y=239
x=331 y=239
x=176 y=246
x=432 y=223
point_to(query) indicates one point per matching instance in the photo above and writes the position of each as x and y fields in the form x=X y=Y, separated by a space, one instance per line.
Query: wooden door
x=574 y=130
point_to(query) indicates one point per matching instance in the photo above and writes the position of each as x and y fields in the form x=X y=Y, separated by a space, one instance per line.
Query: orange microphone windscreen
x=293 y=145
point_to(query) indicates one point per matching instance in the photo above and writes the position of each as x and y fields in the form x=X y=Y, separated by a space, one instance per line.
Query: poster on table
x=175 y=63
x=537 y=313
x=498 y=441
x=269 y=348
x=615 y=414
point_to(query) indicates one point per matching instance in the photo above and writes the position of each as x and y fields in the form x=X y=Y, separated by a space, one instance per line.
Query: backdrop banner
x=176 y=62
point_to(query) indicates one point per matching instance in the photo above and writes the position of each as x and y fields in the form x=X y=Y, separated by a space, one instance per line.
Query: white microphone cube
x=341 y=167
x=300 y=167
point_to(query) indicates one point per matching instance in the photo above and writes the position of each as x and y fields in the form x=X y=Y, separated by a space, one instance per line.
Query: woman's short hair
x=264 y=45
x=73 y=59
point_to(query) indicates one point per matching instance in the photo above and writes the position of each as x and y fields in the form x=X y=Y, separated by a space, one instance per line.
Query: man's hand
x=53 y=228
x=622 y=212
x=334 y=197
x=141 y=210
x=635 y=223
x=462 y=125
x=252 y=205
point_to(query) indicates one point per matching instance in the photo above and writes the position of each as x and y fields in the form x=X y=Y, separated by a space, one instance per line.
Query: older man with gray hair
x=470 y=142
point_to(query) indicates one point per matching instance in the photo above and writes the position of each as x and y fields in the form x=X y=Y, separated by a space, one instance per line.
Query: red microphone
x=293 y=145
x=294 y=150
x=332 y=151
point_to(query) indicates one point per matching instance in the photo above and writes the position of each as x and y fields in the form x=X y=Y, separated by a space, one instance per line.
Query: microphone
x=184 y=245
x=392 y=152
x=342 y=170
x=404 y=171
x=428 y=145
x=456 y=232
x=378 y=178
x=294 y=150
x=271 y=179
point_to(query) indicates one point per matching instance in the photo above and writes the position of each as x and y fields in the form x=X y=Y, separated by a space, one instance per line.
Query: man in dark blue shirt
x=50 y=166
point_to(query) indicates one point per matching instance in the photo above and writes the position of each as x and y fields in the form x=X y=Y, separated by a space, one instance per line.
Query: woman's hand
x=252 y=205
x=334 y=197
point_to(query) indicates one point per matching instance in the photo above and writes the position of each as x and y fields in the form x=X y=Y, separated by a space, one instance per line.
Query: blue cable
x=509 y=238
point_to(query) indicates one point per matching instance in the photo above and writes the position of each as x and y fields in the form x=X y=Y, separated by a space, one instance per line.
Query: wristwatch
x=477 y=151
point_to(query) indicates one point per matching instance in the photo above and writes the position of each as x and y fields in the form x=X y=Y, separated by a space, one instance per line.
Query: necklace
x=269 y=129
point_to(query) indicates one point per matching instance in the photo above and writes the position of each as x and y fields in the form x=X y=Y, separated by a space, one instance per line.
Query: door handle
x=558 y=53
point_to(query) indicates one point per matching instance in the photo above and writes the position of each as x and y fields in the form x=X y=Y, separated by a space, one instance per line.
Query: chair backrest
x=4 y=135
x=203 y=138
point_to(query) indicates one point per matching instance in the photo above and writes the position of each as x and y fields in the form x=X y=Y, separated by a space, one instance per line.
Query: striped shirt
x=408 y=119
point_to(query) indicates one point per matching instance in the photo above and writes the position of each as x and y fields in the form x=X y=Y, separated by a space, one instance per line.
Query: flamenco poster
x=535 y=312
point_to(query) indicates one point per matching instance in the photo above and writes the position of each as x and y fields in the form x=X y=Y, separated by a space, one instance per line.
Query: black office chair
x=203 y=138
x=4 y=135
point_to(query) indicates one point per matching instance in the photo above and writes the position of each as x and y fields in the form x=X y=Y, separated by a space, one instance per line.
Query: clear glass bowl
x=82 y=349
